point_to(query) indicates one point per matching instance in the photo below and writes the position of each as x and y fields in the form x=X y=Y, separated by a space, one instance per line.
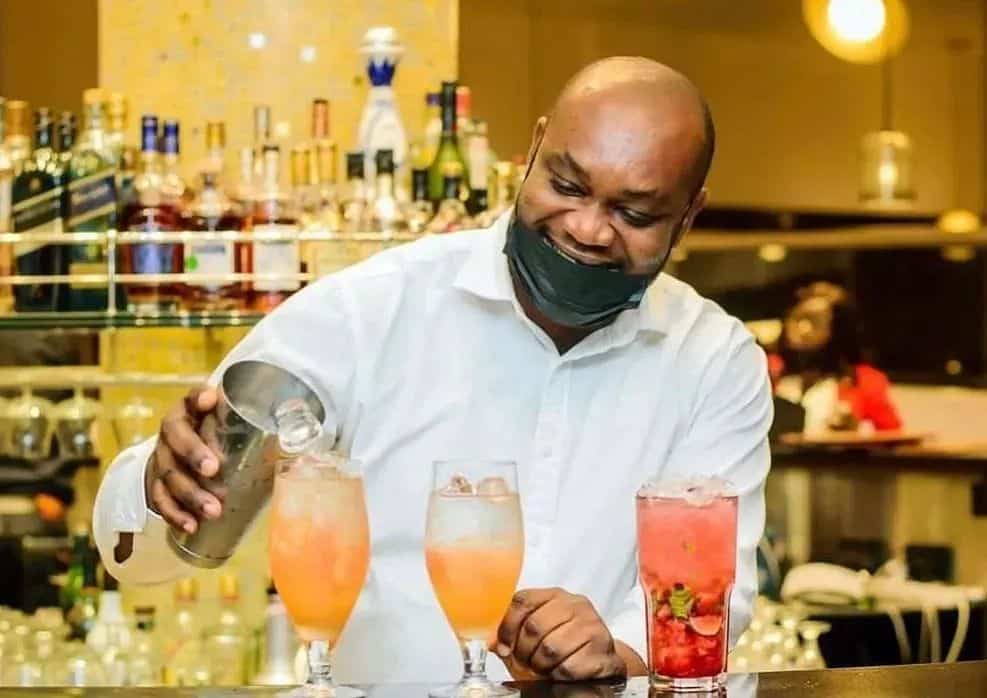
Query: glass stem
x=319 y=664
x=474 y=660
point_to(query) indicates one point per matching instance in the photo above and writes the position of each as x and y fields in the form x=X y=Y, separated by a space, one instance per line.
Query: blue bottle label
x=92 y=202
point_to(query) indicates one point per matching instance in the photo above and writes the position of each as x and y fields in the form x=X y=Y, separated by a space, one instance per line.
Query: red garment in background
x=869 y=398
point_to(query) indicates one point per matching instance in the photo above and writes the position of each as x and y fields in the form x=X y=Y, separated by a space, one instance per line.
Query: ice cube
x=695 y=490
x=458 y=484
x=493 y=487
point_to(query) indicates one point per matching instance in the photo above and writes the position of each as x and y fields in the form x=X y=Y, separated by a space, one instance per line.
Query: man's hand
x=550 y=633
x=181 y=461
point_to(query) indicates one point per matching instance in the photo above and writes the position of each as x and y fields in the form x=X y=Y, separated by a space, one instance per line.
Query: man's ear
x=536 y=138
x=697 y=205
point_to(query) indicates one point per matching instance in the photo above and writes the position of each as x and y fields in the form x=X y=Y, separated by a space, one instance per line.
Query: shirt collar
x=485 y=274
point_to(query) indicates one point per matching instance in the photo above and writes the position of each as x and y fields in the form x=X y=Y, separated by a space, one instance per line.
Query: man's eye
x=565 y=188
x=637 y=219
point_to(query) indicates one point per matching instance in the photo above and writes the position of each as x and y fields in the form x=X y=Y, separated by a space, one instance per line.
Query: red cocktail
x=687 y=550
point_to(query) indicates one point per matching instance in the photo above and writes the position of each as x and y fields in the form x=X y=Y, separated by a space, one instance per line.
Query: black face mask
x=568 y=292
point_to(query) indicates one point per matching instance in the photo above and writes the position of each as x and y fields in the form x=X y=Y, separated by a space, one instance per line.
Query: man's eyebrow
x=565 y=160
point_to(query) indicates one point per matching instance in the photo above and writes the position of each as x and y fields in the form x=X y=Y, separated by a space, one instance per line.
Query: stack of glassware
x=780 y=637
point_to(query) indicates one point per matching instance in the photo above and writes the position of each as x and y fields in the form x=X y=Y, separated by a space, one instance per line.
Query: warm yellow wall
x=47 y=51
x=789 y=115
x=189 y=59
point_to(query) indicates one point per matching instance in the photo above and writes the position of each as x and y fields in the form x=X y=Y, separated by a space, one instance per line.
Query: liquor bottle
x=451 y=214
x=173 y=187
x=90 y=204
x=212 y=211
x=420 y=210
x=110 y=636
x=124 y=154
x=226 y=640
x=145 y=663
x=273 y=212
x=6 y=180
x=149 y=211
x=69 y=593
x=503 y=193
x=322 y=166
x=262 y=138
x=279 y=646
x=66 y=137
x=477 y=156
x=303 y=189
x=355 y=205
x=385 y=212
x=243 y=192
x=381 y=127
x=82 y=616
x=36 y=207
x=184 y=661
x=17 y=134
x=448 y=152
x=464 y=112
x=433 y=128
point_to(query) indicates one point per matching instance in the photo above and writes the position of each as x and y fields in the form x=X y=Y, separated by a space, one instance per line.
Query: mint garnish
x=681 y=601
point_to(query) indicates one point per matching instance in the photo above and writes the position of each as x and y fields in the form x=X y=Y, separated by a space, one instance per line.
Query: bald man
x=551 y=339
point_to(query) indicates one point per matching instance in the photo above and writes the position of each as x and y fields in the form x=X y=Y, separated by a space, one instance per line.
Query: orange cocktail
x=474 y=548
x=319 y=550
x=458 y=571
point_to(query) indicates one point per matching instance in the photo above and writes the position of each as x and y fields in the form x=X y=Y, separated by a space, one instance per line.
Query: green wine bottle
x=448 y=152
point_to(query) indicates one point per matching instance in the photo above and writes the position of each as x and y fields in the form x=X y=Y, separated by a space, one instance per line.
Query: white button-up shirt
x=425 y=354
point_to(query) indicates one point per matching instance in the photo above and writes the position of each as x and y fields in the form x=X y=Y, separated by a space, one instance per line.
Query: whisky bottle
x=6 y=179
x=17 y=132
x=477 y=156
x=211 y=211
x=226 y=638
x=448 y=153
x=355 y=205
x=173 y=187
x=36 y=207
x=273 y=212
x=451 y=214
x=385 y=213
x=322 y=167
x=150 y=211
x=502 y=193
x=420 y=210
x=90 y=205
x=124 y=154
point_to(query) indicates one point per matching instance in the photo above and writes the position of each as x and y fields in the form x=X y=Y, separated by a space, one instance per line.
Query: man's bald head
x=657 y=92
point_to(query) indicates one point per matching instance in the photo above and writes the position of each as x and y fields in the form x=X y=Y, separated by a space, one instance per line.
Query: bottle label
x=37 y=214
x=92 y=202
x=478 y=164
x=152 y=258
x=276 y=257
x=209 y=258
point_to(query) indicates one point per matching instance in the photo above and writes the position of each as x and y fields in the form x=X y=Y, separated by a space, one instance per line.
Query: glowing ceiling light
x=257 y=40
x=858 y=21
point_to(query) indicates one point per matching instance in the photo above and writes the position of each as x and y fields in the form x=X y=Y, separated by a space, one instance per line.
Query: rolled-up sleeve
x=727 y=437
x=309 y=335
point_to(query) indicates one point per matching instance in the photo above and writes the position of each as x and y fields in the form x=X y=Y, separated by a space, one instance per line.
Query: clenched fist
x=550 y=633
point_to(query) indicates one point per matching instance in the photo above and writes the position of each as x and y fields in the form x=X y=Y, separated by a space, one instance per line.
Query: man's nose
x=589 y=226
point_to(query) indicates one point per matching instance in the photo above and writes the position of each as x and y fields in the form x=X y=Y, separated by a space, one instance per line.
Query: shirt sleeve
x=727 y=437
x=309 y=335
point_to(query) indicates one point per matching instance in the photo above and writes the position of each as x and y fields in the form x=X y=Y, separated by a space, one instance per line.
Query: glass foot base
x=312 y=691
x=474 y=688
x=711 y=685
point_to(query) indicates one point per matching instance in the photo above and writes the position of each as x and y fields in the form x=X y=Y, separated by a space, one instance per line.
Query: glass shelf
x=119 y=319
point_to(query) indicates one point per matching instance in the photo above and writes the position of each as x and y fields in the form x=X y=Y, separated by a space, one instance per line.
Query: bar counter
x=965 y=679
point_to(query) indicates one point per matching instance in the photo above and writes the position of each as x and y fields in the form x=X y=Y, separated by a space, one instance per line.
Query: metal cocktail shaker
x=254 y=397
